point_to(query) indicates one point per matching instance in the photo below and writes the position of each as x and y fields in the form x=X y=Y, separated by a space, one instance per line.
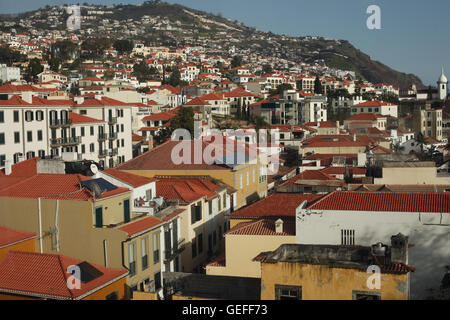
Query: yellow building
x=330 y=272
x=202 y=221
x=70 y=218
x=244 y=241
x=233 y=163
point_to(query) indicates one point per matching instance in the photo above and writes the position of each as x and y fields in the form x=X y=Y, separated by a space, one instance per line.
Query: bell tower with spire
x=442 y=86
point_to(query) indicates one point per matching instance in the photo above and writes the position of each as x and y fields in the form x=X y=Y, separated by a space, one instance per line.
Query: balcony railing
x=70 y=141
x=102 y=136
x=112 y=136
x=112 y=120
x=54 y=123
x=169 y=255
x=102 y=153
x=113 y=152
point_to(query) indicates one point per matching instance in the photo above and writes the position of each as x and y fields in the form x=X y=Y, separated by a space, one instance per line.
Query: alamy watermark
x=374 y=20
x=74 y=20
x=218 y=147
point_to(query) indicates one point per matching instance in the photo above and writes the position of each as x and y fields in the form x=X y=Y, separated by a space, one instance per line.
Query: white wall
x=429 y=232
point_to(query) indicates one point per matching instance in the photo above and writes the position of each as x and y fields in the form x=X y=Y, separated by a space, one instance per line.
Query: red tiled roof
x=383 y=201
x=129 y=178
x=137 y=227
x=162 y=115
x=275 y=205
x=262 y=227
x=26 y=168
x=186 y=190
x=104 y=101
x=374 y=103
x=10 y=236
x=197 y=102
x=365 y=117
x=45 y=275
x=79 y=118
x=341 y=170
x=309 y=175
x=160 y=158
x=220 y=261
x=52 y=186
x=136 y=138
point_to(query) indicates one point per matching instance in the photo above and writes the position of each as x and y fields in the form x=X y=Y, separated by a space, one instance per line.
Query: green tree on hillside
x=123 y=46
x=318 y=89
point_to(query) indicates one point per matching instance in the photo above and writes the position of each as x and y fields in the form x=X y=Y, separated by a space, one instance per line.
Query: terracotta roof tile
x=275 y=205
x=137 y=227
x=383 y=201
x=129 y=178
x=10 y=236
x=45 y=275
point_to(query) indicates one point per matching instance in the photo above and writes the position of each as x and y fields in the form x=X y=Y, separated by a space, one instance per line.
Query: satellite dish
x=96 y=190
x=94 y=168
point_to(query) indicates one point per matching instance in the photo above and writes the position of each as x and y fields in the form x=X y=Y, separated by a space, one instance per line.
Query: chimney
x=279 y=226
x=379 y=254
x=27 y=96
x=354 y=137
x=8 y=167
x=399 y=249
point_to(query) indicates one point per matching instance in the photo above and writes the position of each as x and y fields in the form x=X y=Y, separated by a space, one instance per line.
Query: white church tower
x=442 y=86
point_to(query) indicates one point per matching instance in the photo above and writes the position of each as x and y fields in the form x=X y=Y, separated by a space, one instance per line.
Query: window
x=39 y=135
x=363 y=295
x=144 y=252
x=113 y=296
x=30 y=154
x=157 y=280
x=288 y=292
x=82 y=131
x=2 y=138
x=126 y=210
x=92 y=131
x=194 y=248
x=39 y=115
x=2 y=160
x=91 y=147
x=196 y=213
x=348 y=237
x=148 y=194
x=16 y=137
x=83 y=112
x=29 y=136
x=99 y=217
x=210 y=207
x=225 y=201
x=29 y=116
x=41 y=153
x=131 y=259
x=2 y=116
x=16 y=116
x=83 y=148
x=155 y=241
x=200 y=243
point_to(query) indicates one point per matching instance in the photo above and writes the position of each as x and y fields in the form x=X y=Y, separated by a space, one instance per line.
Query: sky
x=414 y=35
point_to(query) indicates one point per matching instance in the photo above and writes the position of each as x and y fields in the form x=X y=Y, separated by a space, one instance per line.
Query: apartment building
x=114 y=144
x=33 y=127
x=428 y=122
x=377 y=107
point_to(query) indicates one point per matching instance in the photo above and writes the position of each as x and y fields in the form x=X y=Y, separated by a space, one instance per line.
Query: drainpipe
x=56 y=225
x=40 y=225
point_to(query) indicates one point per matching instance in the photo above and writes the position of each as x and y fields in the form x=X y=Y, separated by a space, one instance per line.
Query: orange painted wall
x=27 y=246
x=116 y=286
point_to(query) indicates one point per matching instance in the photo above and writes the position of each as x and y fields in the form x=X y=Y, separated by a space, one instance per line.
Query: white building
x=442 y=86
x=33 y=127
x=9 y=73
x=364 y=218
x=377 y=107
x=114 y=138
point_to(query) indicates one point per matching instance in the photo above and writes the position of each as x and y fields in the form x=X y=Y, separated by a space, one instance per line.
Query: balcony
x=113 y=152
x=102 y=136
x=112 y=136
x=55 y=123
x=64 y=142
x=112 y=120
x=102 y=153
x=171 y=254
